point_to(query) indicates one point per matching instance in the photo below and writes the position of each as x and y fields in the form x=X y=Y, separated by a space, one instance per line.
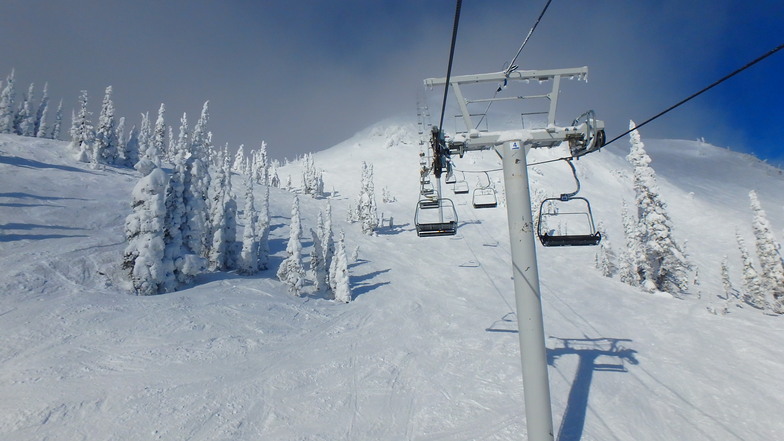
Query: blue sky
x=306 y=75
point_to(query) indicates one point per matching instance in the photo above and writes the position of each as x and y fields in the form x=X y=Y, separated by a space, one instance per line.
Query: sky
x=303 y=76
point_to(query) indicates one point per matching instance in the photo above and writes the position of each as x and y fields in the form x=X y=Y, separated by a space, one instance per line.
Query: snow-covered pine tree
x=339 y=276
x=753 y=288
x=729 y=291
x=119 y=135
x=291 y=271
x=40 y=114
x=82 y=132
x=239 y=159
x=42 y=127
x=367 y=209
x=274 y=179
x=106 y=148
x=144 y=230
x=249 y=255
x=182 y=266
x=132 y=148
x=149 y=157
x=223 y=212
x=7 y=105
x=25 y=118
x=327 y=244
x=772 y=269
x=158 y=136
x=58 y=121
x=260 y=166
x=263 y=229
x=312 y=178
x=197 y=183
x=631 y=257
x=665 y=265
x=605 y=256
x=317 y=269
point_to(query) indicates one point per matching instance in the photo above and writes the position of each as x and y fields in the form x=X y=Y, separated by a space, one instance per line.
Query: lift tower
x=584 y=135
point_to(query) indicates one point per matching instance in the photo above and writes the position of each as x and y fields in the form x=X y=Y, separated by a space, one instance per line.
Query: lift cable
x=680 y=103
x=511 y=67
x=449 y=66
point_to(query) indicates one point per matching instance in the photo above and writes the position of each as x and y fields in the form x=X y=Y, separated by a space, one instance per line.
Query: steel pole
x=533 y=354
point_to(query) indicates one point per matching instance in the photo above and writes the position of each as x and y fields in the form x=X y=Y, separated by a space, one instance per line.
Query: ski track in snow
x=427 y=351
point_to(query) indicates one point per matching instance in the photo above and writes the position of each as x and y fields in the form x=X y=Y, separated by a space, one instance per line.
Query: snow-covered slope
x=427 y=351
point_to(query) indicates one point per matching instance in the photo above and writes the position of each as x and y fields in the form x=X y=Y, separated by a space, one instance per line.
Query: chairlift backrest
x=567 y=222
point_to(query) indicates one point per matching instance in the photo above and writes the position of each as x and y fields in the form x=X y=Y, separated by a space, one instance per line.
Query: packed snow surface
x=428 y=349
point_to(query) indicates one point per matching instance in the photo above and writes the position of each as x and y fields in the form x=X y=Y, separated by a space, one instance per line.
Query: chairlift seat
x=484 y=198
x=435 y=217
x=555 y=240
x=460 y=187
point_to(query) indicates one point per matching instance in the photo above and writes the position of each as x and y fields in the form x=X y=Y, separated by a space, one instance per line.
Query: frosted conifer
x=239 y=159
x=58 y=121
x=40 y=114
x=753 y=289
x=316 y=262
x=82 y=132
x=106 y=148
x=249 y=255
x=772 y=270
x=144 y=230
x=605 y=256
x=665 y=267
x=7 y=108
x=339 y=272
x=367 y=211
x=291 y=271
x=25 y=118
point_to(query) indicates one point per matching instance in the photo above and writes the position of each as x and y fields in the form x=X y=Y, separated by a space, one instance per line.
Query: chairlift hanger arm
x=579 y=73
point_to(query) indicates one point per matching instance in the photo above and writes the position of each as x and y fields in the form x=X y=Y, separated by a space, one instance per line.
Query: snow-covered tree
x=274 y=179
x=249 y=255
x=158 y=136
x=605 y=256
x=317 y=269
x=631 y=257
x=239 y=159
x=772 y=269
x=327 y=243
x=260 y=165
x=106 y=145
x=7 y=105
x=82 y=132
x=665 y=267
x=223 y=217
x=197 y=183
x=149 y=156
x=58 y=121
x=182 y=266
x=291 y=271
x=339 y=276
x=25 y=117
x=40 y=114
x=312 y=180
x=263 y=229
x=753 y=288
x=366 y=207
x=119 y=135
x=729 y=291
x=144 y=230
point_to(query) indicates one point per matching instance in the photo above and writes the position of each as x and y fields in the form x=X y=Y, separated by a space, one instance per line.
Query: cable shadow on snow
x=595 y=355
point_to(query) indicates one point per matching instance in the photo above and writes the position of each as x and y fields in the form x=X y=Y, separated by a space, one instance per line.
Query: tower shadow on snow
x=595 y=355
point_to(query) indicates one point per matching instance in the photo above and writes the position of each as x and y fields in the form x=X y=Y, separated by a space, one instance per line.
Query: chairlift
x=460 y=186
x=435 y=218
x=567 y=220
x=484 y=196
x=450 y=174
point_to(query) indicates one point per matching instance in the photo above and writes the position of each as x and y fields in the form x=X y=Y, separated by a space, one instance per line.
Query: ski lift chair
x=484 y=196
x=567 y=220
x=436 y=220
x=460 y=186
